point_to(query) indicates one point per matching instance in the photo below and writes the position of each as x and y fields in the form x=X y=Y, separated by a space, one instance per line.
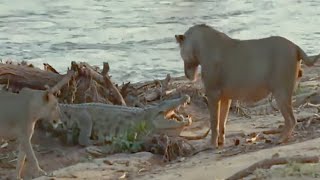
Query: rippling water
x=137 y=37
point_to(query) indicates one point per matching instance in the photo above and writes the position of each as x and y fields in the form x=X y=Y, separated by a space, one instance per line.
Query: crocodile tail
x=303 y=56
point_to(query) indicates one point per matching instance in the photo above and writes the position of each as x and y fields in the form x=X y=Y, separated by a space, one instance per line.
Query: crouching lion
x=18 y=115
x=246 y=70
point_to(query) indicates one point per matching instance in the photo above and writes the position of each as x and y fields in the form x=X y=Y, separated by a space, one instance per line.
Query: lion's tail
x=309 y=61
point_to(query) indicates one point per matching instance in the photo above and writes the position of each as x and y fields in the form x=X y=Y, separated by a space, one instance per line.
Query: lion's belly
x=246 y=94
x=246 y=83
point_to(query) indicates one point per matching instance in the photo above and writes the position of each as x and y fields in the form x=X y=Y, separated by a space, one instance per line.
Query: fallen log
x=267 y=163
x=17 y=76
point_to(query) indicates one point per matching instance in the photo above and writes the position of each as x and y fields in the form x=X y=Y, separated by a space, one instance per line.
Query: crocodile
x=100 y=122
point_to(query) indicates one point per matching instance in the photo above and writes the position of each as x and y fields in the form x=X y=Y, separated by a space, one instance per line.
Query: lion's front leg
x=26 y=147
x=20 y=162
x=214 y=110
x=31 y=157
x=224 y=111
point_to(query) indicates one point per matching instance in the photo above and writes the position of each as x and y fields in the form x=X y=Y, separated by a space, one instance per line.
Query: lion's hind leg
x=284 y=103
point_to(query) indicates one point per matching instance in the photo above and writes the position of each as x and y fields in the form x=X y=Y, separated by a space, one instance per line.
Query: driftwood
x=106 y=82
x=68 y=92
x=17 y=77
x=267 y=163
x=159 y=92
x=87 y=87
x=22 y=63
x=48 y=67
x=124 y=89
x=140 y=94
x=82 y=83
x=118 y=99
x=63 y=81
x=88 y=84
x=105 y=69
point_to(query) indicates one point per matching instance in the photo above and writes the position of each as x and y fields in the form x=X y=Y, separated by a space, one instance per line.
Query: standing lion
x=18 y=116
x=246 y=70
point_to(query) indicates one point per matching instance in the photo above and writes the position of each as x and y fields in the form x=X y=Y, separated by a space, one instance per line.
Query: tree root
x=267 y=163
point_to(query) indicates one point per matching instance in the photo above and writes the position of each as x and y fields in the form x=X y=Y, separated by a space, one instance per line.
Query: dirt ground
x=75 y=163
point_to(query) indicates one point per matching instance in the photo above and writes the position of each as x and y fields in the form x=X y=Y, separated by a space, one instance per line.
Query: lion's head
x=51 y=110
x=187 y=53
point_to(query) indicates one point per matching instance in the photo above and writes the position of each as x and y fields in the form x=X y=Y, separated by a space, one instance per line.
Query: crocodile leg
x=85 y=125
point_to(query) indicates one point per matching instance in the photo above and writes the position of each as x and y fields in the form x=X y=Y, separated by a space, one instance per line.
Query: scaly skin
x=107 y=121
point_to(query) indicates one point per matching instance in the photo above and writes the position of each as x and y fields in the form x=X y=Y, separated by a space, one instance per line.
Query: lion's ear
x=179 y=38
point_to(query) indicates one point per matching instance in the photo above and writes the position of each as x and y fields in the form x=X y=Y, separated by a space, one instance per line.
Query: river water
x=137 y=37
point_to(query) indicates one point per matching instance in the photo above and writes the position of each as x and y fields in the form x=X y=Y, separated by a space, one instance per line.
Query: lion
x=18 y=116
x=245 y=70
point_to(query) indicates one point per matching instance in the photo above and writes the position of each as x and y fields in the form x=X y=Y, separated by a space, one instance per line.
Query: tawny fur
x=246 y=70
x=18 y=115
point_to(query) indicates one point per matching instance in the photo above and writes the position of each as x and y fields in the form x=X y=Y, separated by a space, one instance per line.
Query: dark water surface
x=137 y=37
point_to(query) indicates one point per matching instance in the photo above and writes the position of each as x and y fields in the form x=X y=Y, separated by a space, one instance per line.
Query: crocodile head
x=166 y=118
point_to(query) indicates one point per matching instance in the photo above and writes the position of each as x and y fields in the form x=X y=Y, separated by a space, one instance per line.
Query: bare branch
x=267 y=163
x=63 y=82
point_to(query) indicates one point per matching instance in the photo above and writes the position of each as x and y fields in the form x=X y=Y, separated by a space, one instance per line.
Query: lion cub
x=18 y=116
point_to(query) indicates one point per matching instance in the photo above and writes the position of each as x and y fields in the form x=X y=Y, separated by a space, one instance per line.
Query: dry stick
x=63 y=82
x=94 y=74
x=87 y=87
x=105 y=81
x=158 y=92
x=105 y=69
x=110 y=85
x=301 y=99
x=267 y=163
x=124 y=89
x=272 y=131
x=48 y=67
x=115 y=91
x=164 y=85
x=92 y=92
